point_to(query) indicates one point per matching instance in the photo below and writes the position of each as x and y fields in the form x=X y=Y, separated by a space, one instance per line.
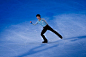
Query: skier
x=46 y=27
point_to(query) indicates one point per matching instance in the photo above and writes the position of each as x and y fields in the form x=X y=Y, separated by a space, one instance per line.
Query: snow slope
x=24 y=40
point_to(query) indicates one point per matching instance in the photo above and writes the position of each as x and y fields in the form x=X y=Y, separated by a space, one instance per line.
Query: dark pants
x=47 y=27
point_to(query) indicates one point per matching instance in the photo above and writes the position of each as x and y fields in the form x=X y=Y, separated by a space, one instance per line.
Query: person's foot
x=61 y=37
x=45 y=42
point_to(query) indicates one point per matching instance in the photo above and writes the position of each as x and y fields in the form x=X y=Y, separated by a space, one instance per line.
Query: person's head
x=38 y=16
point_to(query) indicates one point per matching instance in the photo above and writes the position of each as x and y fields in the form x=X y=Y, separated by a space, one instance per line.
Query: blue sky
x=17 y=11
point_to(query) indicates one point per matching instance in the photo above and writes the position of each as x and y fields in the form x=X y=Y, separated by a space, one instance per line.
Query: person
x=46 y=27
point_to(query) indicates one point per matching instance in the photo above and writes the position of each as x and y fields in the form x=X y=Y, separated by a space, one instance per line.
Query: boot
x=45 y=41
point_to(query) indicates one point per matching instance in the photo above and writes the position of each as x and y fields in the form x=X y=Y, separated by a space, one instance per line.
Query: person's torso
x=42 y=22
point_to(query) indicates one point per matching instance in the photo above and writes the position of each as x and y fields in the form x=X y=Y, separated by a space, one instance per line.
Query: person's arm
x=34 y=24
x=44 y=20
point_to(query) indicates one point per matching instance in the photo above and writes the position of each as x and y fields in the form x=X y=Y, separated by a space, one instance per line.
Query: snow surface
x=24 y=40
x=19 y=38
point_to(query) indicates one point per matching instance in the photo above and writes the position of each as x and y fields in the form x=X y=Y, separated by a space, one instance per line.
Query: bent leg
x=43 y=31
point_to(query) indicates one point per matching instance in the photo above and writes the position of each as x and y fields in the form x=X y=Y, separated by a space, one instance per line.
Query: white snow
x=24 y=40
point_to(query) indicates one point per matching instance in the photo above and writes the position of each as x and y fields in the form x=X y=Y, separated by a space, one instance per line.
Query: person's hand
x=30 y=22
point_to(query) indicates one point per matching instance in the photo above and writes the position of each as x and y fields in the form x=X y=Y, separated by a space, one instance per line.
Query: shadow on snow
x=76 y=38
x=32 y=51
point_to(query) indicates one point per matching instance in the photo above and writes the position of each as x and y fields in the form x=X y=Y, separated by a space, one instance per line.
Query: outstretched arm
x=34 y=24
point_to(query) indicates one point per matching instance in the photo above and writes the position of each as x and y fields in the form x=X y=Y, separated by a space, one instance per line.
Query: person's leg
x=43 y=31
x=49 y=28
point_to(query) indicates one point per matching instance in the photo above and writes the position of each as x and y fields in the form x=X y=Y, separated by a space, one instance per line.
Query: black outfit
x=47 y=27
